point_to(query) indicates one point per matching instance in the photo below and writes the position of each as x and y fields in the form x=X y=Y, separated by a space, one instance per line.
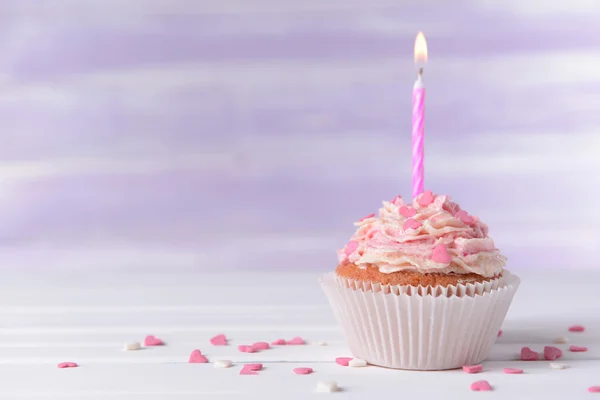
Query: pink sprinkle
x=472 y=369
x=464 y=217
x=552 y=353
x=350 y=247
x=407 y=212
x=411 y=224
x=513 y=371
x=367 y=217
x=397 y=199
x=197 y=357
x=500 y=333
x=303 y=371
x=246 y=371
x=253 y=367
x=153 y=341
x=594 y=389
x=244 y=348
x=67 y=364
x=481 y=386
x=529 y=355
x=577 y=349
x=576 y=328
x=426 y=198
x=279 y=342
x=296 y=341
x=440 y=254
x=219 y=340
x=261 y=346
x=343 y=361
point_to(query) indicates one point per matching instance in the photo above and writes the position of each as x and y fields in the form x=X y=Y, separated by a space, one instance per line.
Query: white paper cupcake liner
x=418 y=328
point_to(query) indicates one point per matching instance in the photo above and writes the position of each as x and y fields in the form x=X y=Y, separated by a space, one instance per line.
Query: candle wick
x=420 y=72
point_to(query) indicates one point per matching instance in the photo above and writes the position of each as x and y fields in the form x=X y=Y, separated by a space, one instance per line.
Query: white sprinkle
x=327 y=387
x=558 y=366
x=321 y=343
x=357 y=362
x=223 y=364
x=561 y=339
x=132 y=346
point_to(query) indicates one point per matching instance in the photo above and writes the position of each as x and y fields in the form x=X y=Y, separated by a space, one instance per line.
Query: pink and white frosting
x=430 y=235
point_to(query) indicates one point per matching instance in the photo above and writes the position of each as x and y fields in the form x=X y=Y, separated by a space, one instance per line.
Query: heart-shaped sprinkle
x=551 y=353
x=367 y=217
x=499 y=333
x=261 y=346
x=223 y=364
x=279 y=342
x=407 y=212
x=357 y=363
x=464 y=217
x=594 y=389
x=411 y=224
x=303 y=371
x=219 y=340
x=576 y=328
x=577 y=349
x=397 y=200
x=67 y=364
x=426 y=198
x=558 y=365
x=481 y=386
x=472 y=369
x=153 y=341
x=197 y=357
x=561 y=340
x=513 y=371
x=529 y=355
x=246 y=371
x=440 y=254
x=132 y=346
x=343 y=361
x=296 y=341
x=244 y=348
x=253 y=367
x=350 y=247
x=327 y=387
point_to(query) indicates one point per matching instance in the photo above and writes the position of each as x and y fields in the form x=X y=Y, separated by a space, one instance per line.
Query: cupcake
x=420 y=286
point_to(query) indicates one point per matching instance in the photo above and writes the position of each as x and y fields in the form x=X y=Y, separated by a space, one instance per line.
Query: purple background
x=250 y=134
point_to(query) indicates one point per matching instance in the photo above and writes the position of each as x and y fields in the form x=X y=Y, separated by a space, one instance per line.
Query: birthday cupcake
x=420 y=286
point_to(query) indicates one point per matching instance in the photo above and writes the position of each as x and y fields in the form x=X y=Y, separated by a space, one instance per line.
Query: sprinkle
x=350 y=247
x=529 y=355
x=219 y=340
x=426 y=198
x=472 y=369
x=68 y=364
x=153 y=341
x=513 y=371
x=132 y=346
x=343 y=361
x=440 y=254
x=552 y=353
x=327 y=387
x=296 y=341
x=261 y=346
x=411 y=224
x=396 y=200
x=594 y=389
x=367 y=217
x=481 y=386
x=250 y=369
x=223 y=364
x=197 y=358
x=577 y=349
x=464 y=217
x=279 y=342
x=303 y=371
x=499 y=333
x=244 y=348
x=561 y=340
x=576 y=328
x=357 y=363
x=558 y=365
x=407 y=212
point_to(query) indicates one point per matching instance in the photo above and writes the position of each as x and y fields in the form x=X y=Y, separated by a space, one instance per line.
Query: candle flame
x=420 y=48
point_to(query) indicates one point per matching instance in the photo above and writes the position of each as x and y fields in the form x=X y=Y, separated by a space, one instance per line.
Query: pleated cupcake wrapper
x=415 y=328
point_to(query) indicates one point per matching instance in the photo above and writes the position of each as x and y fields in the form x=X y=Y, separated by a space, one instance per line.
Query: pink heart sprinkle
x=529 y=355
x=500 y=333
x=247 y=371
x=261 y=346
x=426 y=198
x=464 y=217
x=197 y=357
x=594 y=389
x=576 y=328
x=219 y=340
x=472 y=369
x=350 y=247
x=67 y=364
x=296 y=340
x=253 y=367
x=440 y=254
x=244 y=348
x=367 y=217
x=397 y=199
x=279 y=342
x=407 y=212
x=552 y=353
x=411 y=224
x=513 y=371
x=152 y=341
x=343 y=361
x=481 y=386
x=577 y=349
x=303 y=371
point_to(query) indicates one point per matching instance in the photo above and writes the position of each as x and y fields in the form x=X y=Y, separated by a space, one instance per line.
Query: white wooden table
x=49 y=318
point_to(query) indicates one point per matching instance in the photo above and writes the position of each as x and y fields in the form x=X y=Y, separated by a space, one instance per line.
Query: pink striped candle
x=418 y=120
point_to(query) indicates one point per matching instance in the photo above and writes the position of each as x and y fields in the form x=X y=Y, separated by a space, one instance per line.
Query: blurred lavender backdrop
x=190 y=134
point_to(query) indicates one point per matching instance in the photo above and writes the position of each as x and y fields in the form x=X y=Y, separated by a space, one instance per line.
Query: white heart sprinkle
x=321 y=343
x=132 y=346
x=357 y=362
x=223 y=364
x=561 y=339
x=558 y=365
x=327 y=387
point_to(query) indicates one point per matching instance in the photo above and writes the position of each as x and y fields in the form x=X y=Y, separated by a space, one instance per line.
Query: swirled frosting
x=431 y=234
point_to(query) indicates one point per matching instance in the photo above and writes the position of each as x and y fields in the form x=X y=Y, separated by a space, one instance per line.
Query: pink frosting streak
x=430 y=235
